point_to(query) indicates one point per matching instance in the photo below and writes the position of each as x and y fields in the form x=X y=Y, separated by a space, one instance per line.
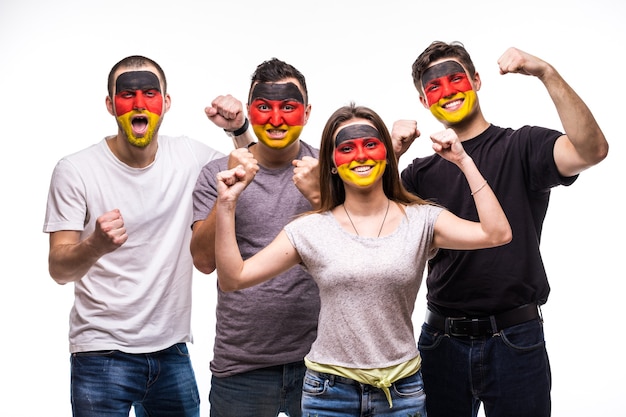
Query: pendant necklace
x=381 y=226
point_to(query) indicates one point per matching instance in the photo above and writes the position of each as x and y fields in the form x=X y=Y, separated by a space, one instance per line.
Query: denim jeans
x=264 y=392
x=508 y=372
x=159 y=384
x=326 y=395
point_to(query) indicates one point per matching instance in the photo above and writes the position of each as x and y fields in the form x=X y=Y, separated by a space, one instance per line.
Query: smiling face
x=448 y=92
x=277 y=113
x=138 y=105
x=360 y=155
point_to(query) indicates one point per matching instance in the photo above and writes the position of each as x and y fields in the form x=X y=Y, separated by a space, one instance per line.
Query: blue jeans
x=326 y=395
x=159 y=384
x=264 y=392
x=508 y=372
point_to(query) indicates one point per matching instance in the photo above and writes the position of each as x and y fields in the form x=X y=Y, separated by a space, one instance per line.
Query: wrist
x=243 y=129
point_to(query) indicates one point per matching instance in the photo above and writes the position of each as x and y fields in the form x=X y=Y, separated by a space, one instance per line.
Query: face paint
x=360 y=155
x=448 y=92
x=277 y=113
x=138 y=105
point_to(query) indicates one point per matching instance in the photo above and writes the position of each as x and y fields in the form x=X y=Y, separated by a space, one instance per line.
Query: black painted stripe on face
x=441 y=70
x=356 y=131
x=278 y=92
x=137 y=80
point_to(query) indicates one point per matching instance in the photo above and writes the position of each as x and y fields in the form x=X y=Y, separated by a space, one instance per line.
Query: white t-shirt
x=137 y=298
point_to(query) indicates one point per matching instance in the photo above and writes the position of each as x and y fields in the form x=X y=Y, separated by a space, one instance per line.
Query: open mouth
x=140 y=124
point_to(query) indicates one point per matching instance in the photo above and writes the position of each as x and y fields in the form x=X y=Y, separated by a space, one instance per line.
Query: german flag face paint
x=360 y=154
x=138 y=105
x=277 y=113
x=448 y=91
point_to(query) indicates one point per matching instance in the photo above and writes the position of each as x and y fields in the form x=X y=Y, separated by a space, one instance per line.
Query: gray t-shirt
x=275 y=322
x=367 y=286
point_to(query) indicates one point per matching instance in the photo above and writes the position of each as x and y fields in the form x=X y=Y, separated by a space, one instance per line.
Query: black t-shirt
x=519 y=166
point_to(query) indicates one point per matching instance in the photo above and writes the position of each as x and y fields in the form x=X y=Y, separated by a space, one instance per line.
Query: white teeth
x=362 y=168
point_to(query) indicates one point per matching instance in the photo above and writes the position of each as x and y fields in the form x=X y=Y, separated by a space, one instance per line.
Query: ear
x=477 y=82
x=109 y=104
x=424 y=102
x=167 y=102
x=307 y=113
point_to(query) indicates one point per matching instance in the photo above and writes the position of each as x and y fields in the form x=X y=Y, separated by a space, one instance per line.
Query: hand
x=110 y=232
x=448 y=146
x=245 y=158
x=403 y=133
x=516 y=61
x=306 y=178
x=232 y=182
x=226 y=112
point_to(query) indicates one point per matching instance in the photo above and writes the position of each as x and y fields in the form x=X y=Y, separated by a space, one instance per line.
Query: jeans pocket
x=313 y=384
x=525 y=336
x=429 y=338
x=410 y=386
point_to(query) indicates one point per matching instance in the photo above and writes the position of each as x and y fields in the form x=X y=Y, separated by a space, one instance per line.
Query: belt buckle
x=469 y=327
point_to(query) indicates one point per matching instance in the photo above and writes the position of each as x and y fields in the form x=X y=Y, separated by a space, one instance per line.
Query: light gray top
x=367 y=285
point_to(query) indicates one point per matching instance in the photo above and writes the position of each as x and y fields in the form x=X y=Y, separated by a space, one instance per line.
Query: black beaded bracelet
x=241 y=130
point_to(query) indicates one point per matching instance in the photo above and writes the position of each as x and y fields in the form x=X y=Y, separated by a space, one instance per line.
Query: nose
x=276 y=119
x=360 y=153
x=447 y=89
x=140 y=101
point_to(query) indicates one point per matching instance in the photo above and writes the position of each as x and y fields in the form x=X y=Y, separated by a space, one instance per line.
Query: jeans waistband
x=333 y=378
x=475 y=327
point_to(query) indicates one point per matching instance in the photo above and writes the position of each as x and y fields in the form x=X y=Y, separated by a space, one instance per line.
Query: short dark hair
x=274 y=70
x=436 y=51
x=135 y=61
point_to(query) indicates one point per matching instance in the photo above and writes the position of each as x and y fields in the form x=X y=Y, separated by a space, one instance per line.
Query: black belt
x=481 y=326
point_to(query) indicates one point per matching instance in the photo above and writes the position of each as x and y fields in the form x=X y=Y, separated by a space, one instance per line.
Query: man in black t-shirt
x=482 y=340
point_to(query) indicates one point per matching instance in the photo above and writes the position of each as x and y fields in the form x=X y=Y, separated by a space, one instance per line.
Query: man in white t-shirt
x=118 y=216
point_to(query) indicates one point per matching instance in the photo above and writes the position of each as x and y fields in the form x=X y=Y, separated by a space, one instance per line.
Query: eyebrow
x=356 y=131
x=273 y=91
x=441 y=70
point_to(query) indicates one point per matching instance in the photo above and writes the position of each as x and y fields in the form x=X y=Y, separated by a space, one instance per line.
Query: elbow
x=203 y=265
x=226 y=285
x=602 y=152
x=59 y=277
x=503 y=238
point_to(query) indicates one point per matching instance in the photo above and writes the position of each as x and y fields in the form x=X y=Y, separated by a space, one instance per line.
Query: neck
x=275 y=158
x=471 y=127
x=131 y=155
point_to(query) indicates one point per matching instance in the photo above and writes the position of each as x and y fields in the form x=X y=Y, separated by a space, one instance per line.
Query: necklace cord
x=381 y=225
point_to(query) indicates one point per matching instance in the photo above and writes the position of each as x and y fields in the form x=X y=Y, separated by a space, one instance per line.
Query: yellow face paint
x=125 y=122
x=376 y=171
x=288 y=135
x=453 y=117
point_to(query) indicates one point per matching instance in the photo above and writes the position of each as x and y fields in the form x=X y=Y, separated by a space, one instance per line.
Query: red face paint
x=360 y=155
x=444 y=80
x=138 y=90
x=277 y=113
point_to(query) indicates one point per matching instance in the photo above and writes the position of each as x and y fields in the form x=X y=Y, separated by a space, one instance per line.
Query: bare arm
x=70 y=258
x=452 y=232
x=583 y=144
x=233 y=273
x=202 y=244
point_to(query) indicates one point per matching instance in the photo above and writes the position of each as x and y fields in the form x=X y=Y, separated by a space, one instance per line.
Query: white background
x=54 y=60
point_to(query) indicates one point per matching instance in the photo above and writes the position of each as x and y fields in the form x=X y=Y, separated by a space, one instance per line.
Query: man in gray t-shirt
x=264 y=332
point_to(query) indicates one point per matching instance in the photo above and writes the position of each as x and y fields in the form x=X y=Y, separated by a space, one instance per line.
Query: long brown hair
x=332 y=189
